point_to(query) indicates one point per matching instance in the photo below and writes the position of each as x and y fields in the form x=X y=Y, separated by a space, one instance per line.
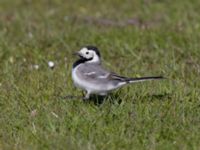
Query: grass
x=136 y=38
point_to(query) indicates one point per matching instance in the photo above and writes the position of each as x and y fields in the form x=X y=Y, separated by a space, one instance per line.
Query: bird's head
x=90 y=54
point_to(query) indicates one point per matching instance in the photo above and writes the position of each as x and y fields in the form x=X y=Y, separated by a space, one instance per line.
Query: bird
x=89 y=75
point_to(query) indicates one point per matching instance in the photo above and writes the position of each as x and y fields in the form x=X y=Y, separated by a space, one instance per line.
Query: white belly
x=77 y=81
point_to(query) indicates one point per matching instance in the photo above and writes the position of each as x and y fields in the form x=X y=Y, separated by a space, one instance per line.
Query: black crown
x=94 y=48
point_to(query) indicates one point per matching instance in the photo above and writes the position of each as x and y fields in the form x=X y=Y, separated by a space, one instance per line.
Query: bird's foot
x=86 y=97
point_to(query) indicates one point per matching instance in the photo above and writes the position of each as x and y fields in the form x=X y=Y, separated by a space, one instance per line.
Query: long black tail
x=133 y=80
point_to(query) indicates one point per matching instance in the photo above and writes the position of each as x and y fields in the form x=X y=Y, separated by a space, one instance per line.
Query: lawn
x=136 y=38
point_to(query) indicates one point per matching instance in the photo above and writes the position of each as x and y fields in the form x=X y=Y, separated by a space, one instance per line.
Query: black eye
x=87 y=53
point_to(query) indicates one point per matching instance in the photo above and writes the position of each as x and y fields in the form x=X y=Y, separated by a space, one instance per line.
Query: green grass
x=163 y=39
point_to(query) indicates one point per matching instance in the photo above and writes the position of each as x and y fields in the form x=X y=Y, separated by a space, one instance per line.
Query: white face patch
x=89 y=54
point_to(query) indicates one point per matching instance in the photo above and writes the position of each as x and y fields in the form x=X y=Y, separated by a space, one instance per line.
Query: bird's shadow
x=96 y=99
x=116 y=98
x=111 y=98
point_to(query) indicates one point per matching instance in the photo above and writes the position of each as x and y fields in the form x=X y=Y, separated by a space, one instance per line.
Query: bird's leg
x=83 y=93
x=87 y=96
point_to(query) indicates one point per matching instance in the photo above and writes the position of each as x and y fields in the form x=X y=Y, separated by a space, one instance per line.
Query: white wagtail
x=89 y=75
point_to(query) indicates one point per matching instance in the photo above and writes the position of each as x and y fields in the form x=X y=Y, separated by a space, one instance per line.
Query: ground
x=136 y=38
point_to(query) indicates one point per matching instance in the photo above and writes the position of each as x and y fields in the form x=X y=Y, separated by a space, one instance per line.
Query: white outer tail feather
x=142 y=79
